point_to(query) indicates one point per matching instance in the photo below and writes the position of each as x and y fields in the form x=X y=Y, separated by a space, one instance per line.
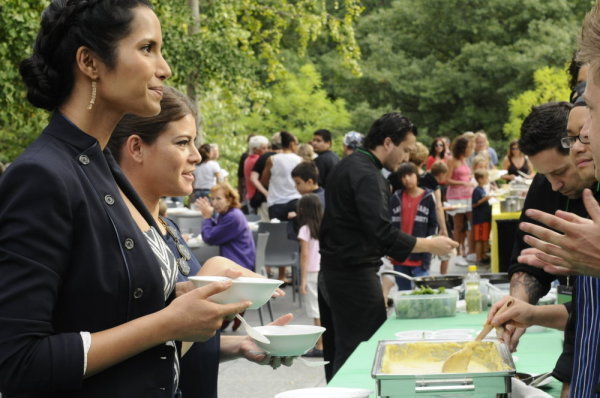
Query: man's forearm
x=525 y=287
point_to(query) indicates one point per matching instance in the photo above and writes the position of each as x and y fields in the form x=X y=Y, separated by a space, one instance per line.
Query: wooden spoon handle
x=487 y=327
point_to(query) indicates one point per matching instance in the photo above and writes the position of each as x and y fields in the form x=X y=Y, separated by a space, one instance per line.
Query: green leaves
x=20 y=123
x=550 y=84
x=299 y=105
x=453 y=65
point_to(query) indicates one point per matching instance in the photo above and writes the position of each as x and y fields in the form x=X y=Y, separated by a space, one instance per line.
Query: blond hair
x=589 y=41
x=480 y=173
x=480 y=159
x=419 y=155
x=306 y=152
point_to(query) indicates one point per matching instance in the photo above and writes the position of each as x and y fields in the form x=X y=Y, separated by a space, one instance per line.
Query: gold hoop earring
x=93 y=98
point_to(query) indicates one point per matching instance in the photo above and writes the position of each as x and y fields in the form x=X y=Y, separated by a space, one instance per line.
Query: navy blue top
x=200 y=365
x=483 y=212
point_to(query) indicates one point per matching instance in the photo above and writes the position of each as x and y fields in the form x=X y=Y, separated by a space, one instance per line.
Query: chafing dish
x=490 y=379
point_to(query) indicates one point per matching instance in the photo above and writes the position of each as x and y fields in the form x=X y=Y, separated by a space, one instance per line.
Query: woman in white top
x=206 y=175
x=277 y=175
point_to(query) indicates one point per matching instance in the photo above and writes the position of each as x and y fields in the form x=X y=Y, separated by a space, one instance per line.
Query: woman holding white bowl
x=158 y=156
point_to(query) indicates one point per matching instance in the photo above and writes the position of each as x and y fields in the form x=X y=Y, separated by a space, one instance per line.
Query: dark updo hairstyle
x=287 y=139
x=459 y=147
x=392 y=125
x=67 y=25
x=204 y=150
x=173 y=106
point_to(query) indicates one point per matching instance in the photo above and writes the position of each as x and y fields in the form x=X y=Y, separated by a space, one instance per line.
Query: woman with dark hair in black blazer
x=88 y=307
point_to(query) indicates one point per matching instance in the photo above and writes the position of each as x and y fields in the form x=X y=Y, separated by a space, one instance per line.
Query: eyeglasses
x=569 y=141
x=439 y=144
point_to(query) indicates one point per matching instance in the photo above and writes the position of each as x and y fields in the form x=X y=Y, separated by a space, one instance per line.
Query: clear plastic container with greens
x=425 y=303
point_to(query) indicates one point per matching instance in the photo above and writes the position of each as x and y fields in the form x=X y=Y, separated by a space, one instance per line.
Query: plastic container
x=425 y=305
x=473 y=295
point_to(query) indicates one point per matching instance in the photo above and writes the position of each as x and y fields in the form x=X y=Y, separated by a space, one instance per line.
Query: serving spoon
x=250 y=331
x=459 y=361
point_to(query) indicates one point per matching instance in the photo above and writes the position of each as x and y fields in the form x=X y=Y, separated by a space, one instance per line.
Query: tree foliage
x=296 y=103
x=231 y=54
x=550 y=84
x=20 y=123
x=300 y=105
x=452 y=65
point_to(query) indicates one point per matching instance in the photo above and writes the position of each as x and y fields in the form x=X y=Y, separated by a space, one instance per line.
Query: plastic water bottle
x=472 y=292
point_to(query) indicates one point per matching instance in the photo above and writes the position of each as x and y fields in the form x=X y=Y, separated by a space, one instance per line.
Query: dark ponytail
x=67 y=25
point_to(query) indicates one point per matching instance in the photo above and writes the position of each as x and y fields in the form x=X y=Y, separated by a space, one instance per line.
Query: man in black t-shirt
x=326 y=160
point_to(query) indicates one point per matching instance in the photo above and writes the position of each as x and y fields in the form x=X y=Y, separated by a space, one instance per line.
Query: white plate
x=496 y=174
x=454 y=334
x=414 y=334
x=326 y=392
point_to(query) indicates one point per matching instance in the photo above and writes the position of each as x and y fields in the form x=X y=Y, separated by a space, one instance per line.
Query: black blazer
x=72 y=259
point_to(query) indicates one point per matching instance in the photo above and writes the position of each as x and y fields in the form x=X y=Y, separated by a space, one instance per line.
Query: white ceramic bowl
x=257 y=290
x=289 y=340
x=326 y=392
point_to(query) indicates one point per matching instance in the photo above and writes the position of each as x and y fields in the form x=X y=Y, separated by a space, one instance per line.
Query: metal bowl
x=496 y=277
x=435 y=282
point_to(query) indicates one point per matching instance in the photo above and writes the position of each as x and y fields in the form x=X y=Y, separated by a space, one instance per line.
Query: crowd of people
x=94 y=296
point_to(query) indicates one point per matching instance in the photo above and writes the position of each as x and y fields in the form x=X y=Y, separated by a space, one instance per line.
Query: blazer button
x=83 y=159
x=109 y=200
x=138 y=293
x=129 y=243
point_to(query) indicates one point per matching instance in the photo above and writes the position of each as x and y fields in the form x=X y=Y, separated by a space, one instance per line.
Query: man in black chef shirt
x=562 y=176
x=356 y=233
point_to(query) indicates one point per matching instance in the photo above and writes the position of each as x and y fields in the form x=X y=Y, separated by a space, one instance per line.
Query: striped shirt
x=169 y=271
x=586 y=366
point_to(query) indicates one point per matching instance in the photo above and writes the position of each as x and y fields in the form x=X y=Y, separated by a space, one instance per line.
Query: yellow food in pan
x=428 y=358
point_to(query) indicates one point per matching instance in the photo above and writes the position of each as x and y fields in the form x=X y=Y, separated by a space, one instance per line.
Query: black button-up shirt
x=356 y=227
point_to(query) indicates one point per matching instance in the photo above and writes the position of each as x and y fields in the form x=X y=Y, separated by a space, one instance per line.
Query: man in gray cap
x=352 y=140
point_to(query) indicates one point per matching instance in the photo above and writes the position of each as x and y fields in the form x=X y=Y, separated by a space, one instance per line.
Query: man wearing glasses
x=556 y=186
x=530 y=283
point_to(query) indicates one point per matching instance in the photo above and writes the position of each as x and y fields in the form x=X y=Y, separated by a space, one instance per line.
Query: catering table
x=537 y=352
x=202 y=250
x=188 y=220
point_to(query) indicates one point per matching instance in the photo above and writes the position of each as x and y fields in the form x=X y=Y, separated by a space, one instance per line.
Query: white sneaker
x=472 y=258
x=460 y=261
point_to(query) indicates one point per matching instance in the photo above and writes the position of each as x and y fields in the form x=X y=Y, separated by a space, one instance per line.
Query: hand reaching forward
x=576 y=245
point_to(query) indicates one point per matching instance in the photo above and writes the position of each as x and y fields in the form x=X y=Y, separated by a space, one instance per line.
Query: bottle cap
x=472 y=268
